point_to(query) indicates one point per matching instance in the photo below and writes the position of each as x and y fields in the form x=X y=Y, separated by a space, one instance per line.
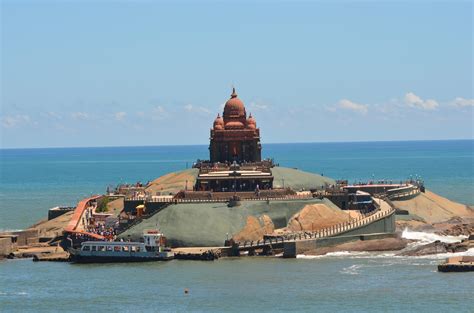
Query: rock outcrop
x=437 y=247
x=173 y=182
x=461 y=229
x=54 y=227
x=316 y=216
x=432 y=208
x=255 y=228
x=386 y=244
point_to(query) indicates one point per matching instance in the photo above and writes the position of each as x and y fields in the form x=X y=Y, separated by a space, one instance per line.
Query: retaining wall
x=382 y=228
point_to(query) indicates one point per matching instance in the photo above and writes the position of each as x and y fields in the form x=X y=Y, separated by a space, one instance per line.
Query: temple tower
x=234 y=137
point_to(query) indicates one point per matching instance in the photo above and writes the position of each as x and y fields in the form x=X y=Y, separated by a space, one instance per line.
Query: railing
x=325 y=232
x=78 y=212
x=414 y=190
x=176 y=201
x=138 y=220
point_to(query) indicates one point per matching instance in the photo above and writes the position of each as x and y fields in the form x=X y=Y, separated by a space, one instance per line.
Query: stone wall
x=25 y=237
x=6 y=246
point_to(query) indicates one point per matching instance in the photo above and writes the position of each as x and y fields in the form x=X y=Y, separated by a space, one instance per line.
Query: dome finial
x=234 y=94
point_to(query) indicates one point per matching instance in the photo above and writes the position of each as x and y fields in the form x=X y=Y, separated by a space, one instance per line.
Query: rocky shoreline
x=439 y=247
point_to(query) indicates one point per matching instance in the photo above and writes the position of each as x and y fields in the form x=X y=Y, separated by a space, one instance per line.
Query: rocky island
x=237 y=203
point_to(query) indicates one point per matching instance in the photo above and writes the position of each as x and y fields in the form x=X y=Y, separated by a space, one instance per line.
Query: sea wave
x=351 y=270
x=7 y=230
x=348 y=254
x=20 y=293
x=384 y=255
x=424 y=237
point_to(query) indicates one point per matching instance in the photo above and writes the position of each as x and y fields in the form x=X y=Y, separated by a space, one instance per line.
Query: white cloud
x=197 y=109
x=119 y=116
x=356 y=107
x=258 y=106
x=461 y=102
x=158 y=113
x=80 y=116
x=52 y=115
x=416 y=102
x=11 y=121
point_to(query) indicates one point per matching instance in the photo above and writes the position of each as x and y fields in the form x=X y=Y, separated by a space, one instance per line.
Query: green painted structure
x=208 y=224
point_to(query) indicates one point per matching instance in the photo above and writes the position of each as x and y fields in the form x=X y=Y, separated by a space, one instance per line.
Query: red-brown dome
x=234 y=107
x=234 y=125
x=251 y=122
x=219 y=123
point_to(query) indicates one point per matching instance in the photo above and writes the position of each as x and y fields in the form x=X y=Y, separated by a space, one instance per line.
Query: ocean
x=34 y=180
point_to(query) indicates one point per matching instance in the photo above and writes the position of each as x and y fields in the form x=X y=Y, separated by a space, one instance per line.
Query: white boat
x=152 y=249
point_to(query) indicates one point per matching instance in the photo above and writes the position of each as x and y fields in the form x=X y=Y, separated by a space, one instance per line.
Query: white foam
x=385 y=255
x=351 y=270
x=421 y=238
x=424 y=237
x=20 y=293
x=348 y=254
x=7 y=230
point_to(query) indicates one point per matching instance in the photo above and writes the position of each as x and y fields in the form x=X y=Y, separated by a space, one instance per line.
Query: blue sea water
x=370 y=284
x=33 y=180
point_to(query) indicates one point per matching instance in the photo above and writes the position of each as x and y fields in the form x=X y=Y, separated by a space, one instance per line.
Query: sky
x=133 y=73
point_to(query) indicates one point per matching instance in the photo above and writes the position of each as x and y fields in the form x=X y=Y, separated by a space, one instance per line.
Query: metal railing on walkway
x=330 y=231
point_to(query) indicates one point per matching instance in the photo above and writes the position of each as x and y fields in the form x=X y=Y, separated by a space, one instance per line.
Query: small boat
x=152 y=249
x=458 y=264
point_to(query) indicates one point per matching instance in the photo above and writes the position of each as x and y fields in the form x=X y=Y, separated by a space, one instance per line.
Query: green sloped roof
x=206 y=224
x=298 y=180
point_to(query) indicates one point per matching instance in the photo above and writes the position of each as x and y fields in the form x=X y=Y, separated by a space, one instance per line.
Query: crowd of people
x=109 y=233
x=91 y=225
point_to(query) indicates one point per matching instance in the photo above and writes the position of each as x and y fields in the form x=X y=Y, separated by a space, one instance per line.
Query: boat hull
x=78 y=256
x=116 y=259
x=455 y=268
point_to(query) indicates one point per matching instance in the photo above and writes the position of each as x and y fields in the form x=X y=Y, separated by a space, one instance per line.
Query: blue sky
x=105 y=73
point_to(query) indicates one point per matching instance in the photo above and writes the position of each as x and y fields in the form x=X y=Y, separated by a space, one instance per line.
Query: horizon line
x=203 y=144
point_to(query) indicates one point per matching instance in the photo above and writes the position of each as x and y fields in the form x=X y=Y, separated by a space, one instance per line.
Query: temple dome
x=219 y=123
x=234 y=125
x=251 y=122
x=234 y=107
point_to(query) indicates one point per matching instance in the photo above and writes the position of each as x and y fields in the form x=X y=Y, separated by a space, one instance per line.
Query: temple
x=234 y=137
x=235 y=162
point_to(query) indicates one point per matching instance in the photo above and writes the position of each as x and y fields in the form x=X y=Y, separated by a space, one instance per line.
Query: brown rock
x=433 y=208
x=455 y=230
x=255 y=228
x=436 y=248
x=316 y=216
x=54 y=227
x=386 y=244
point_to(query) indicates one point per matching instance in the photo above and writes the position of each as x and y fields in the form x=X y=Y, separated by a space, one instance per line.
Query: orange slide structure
x=71 y=228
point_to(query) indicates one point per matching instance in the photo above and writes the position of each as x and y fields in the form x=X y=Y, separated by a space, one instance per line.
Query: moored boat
x=458 y=264
x=152 y=248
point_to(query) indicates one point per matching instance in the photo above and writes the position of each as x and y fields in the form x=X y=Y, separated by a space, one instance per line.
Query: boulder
x=255 y=228
x=436 y=248
x=316 y=216
x=386 y=244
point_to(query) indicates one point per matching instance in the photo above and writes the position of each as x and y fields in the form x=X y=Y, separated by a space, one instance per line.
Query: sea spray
x=420 y=238
x=424 y=237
